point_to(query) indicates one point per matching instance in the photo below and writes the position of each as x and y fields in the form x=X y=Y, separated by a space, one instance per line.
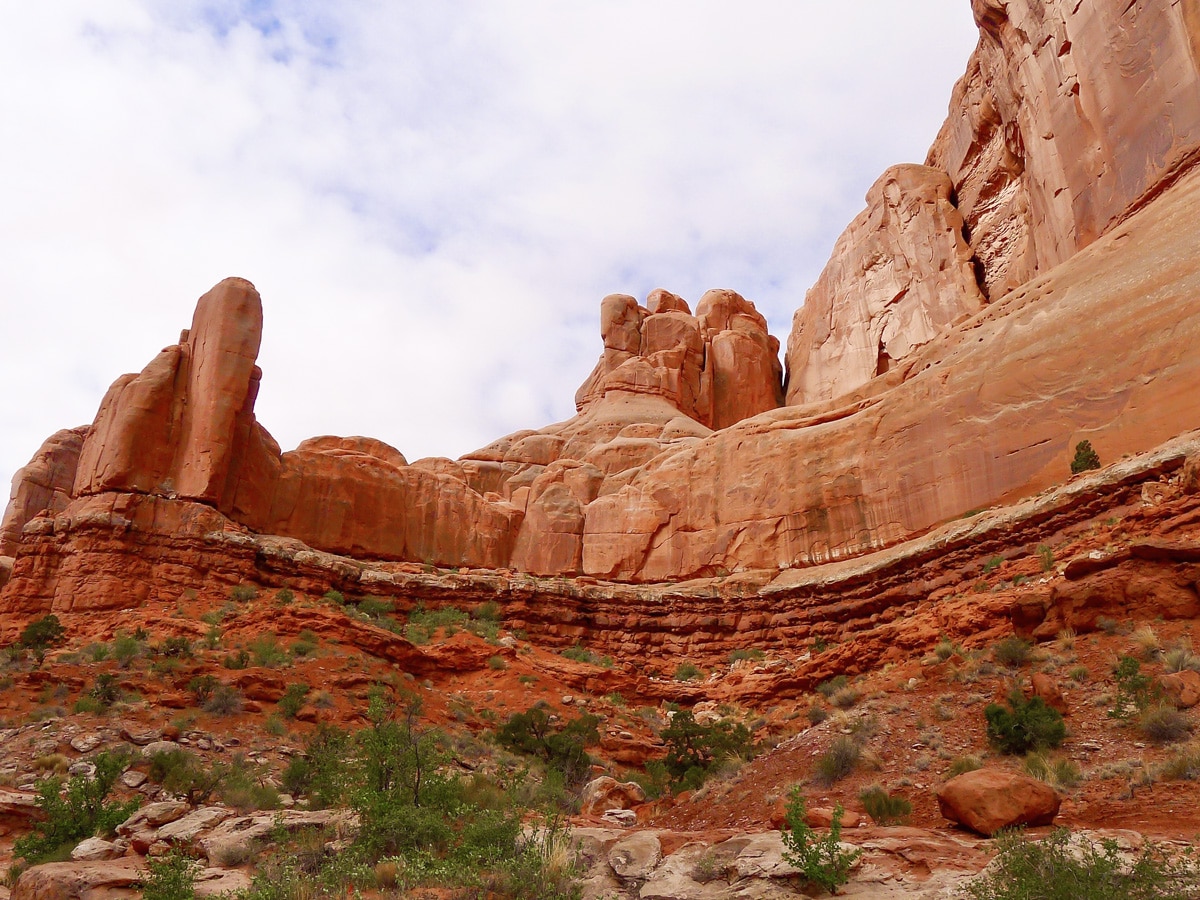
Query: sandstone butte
x=1033 y=284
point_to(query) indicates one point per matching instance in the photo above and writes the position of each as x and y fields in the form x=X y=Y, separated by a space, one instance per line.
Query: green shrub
x=695 y=751
x=125 y=649
x=177 y=647
x=497 y=663
x=563 y=746
x=1013 y=651
x=244 y=593
x=292 y=700
x=1023 y=725
x=42 y=633
x=172 y=877
x=265 y=651
x=816 y=713
x=883 y=808
x=239 y=659
x=80 y=811
x=320 y=774
x=201 y=688
x=1046 y=557
x=285 y=595
x=583 y=655
x=1136 y=691
x=838 y=761
x=335 y=597
x=831 y=686
x=821 y=861
x=1085 y=458
x=687 y=671
x=1062 y=866
x=993 y=564
x=106 y=691
x=182 y=772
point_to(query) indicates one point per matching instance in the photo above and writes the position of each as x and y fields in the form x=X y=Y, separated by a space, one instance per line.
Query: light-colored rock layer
x=900 y=274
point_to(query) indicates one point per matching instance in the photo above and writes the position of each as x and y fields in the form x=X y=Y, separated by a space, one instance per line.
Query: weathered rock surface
x=44 y=485
x=900 y=274
x=988 y=800
x=717 y=367
x=1069 y=113
x=605 y=793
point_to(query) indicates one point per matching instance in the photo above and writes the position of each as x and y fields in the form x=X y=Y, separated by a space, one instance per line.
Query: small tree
x=1023 y=725
x=821 y=861
x=1085 y=458
x=76 y=812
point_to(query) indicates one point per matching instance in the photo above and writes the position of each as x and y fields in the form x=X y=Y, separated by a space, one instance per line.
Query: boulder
x=987 y=800
x=1183 y=688
x=634 y=857
x=605 y=793
x=95 y=848
x=76 y=879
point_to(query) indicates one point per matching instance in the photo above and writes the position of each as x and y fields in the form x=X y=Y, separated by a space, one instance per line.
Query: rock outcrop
x=44 y=485
x=900 y=274
x=1032 y=285
x=717 y=367
x=1068 y=115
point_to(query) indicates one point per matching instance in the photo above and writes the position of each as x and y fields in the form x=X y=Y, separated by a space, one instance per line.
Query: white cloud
x=431 y=198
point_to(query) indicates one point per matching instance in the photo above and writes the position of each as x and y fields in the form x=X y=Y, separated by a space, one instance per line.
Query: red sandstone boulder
x=987 y=800
x=1182 y=687
x=1045 y=687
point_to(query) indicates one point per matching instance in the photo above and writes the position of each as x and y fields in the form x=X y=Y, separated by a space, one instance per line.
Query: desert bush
x=1179 y=659
x=561 y=746
x=224 y=700
x=172 y=877
x=831 y=686
x=292 y=700
x=688 y=671
x=266 y=651
x=77 y=811
x=320 y=774
x=239 y=659
x=1164 y=724
x=822 y=861
x=816 y=713
x=1183 y=766
x=838 y=761
x=202 y=686
x=845 y=698
x=285 y=595
x=43 y=633
x=583 y=655
x=497 y=663
x=1085 y=458
x=1045 y=557
x=752 y=653
x=695 y=751
x=944 y=649
x=243 y=593
x=1136 y=691
x=883 y=808
x=175 y=647
x=1062 y=866
x=963 y=764
x=1056 y=771
x=993 y=564
x=181 y=772
x=1013 y=651
x=105 y=690
x=1023 y=725
x=334 y=597
x=1149 y=647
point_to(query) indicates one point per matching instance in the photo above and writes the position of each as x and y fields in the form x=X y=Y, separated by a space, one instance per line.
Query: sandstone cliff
x=1033 y=284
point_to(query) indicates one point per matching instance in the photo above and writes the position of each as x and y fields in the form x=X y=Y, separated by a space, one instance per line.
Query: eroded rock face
x=900 y=274
x=717 y=367
x=45 y=484
x=1068 y=113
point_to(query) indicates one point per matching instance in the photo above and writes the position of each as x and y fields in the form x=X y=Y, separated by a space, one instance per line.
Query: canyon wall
x=1033 y=284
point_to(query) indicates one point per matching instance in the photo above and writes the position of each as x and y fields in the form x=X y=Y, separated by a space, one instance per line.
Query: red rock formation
x=717 y=367
x=1067 y=115
x=987 y=411
x=900 y=274
x=44 y=484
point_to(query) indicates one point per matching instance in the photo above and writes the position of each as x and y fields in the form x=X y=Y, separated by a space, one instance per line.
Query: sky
x=432 y=198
